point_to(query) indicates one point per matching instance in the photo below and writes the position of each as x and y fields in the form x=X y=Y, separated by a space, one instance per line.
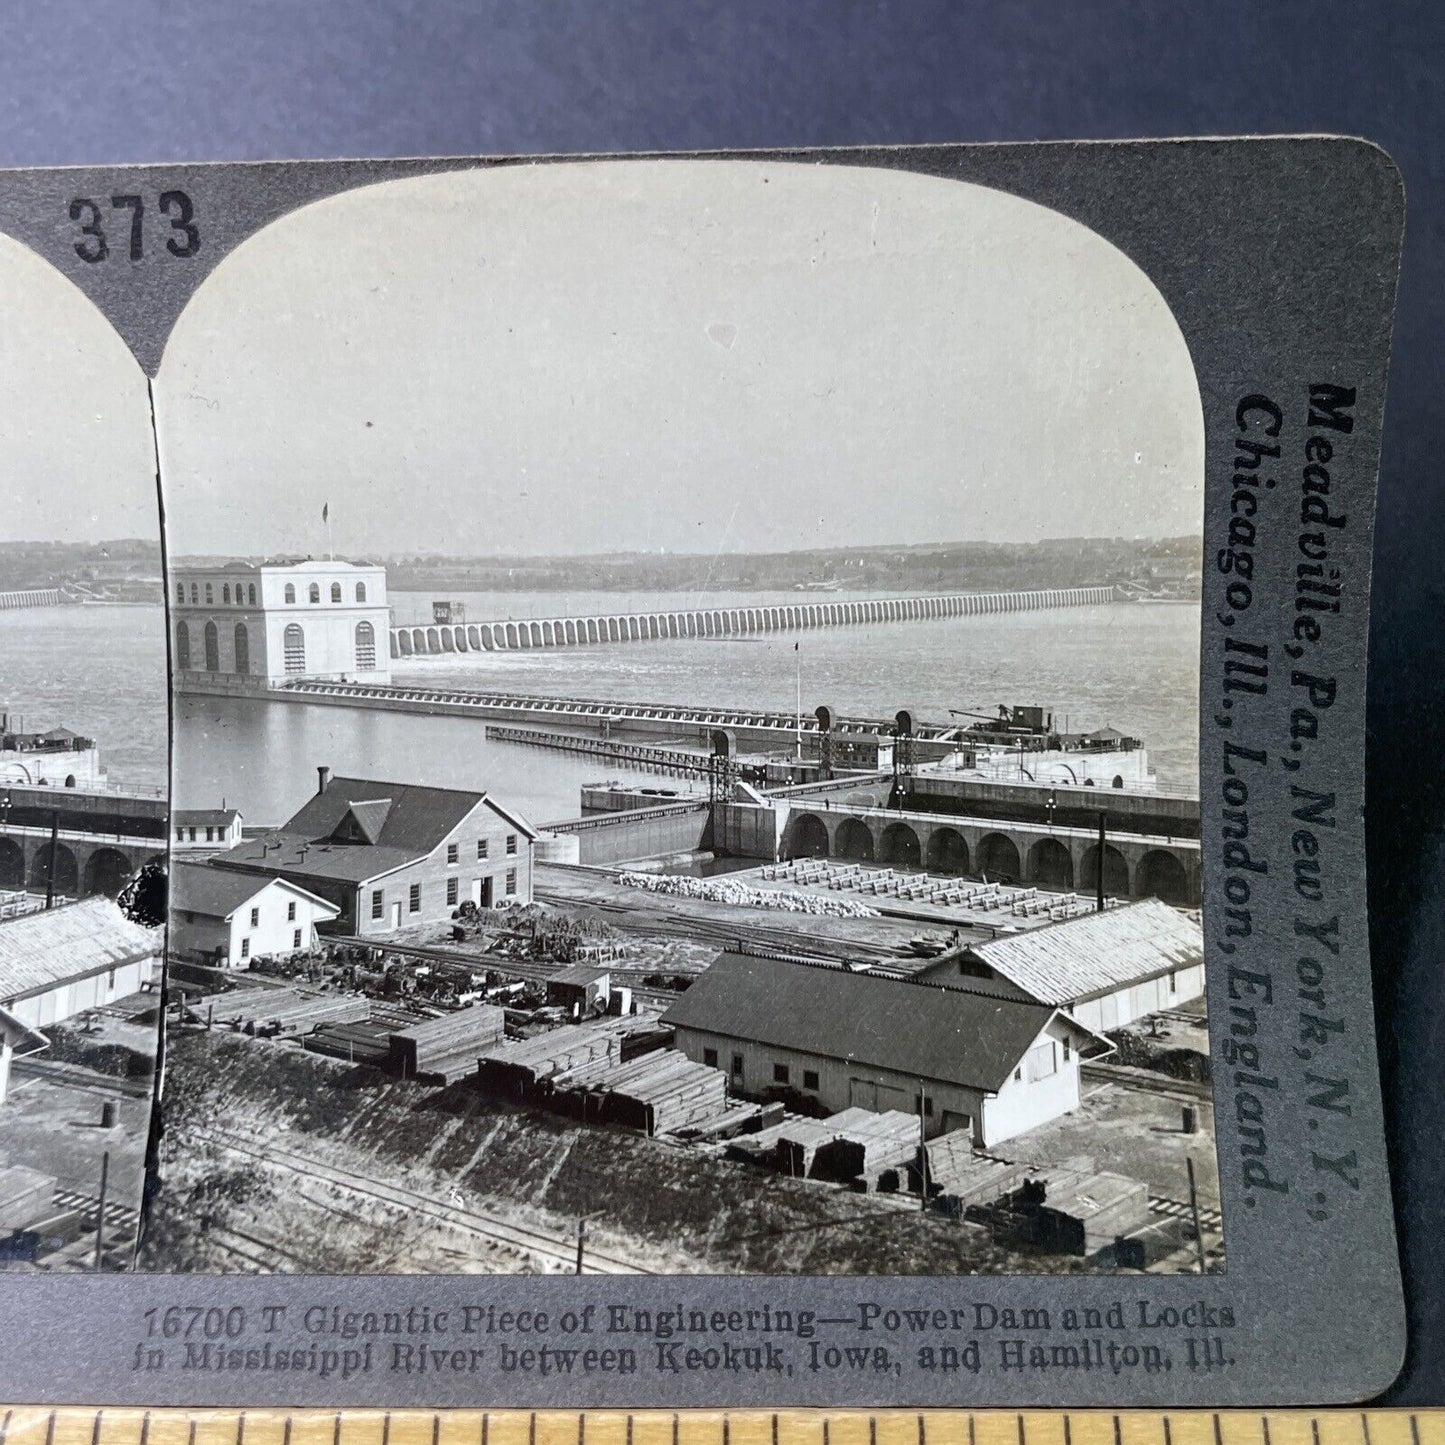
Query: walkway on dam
x=589 y=711
x=449 y=638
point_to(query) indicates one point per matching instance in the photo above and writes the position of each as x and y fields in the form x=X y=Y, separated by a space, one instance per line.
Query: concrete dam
x=438 y=638
x=33 y=597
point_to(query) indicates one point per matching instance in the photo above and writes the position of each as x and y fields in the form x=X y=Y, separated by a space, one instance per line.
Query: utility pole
x=922 y=1152
x=582 y=1237
x=1194 y=1210
x=50 y=867
x=100 y=1213
x=1099 y=900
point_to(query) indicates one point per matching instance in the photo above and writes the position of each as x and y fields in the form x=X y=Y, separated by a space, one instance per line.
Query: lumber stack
x=364 y=1042
x=957 y=1172
x=864 y=1144
x=520 y=1069
x=737 y=1115
x=845 y=1146
x=25 y=1196
x=659 y=1093
x=446 y=1047
x=798 y=1143
x=1082 y=1214
x=288 y=1010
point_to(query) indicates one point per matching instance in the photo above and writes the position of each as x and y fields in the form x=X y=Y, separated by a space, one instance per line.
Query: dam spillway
x=31 y=597
x=450 y=638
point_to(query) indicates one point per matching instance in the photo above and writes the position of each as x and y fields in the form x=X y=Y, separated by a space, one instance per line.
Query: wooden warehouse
x=979 y=1059
x=57 y=962
x=1105 y=969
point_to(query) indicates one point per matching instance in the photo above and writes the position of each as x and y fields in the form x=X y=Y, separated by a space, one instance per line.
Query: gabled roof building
x=973 y=1060
x=391 y=855
x=59 y=961
x=229 y=919
x=1106 y=969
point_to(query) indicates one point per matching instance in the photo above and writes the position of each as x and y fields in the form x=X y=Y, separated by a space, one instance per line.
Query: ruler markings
x=113 y=1425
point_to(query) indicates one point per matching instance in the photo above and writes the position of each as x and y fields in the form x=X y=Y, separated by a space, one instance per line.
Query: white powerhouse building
x=269 y=623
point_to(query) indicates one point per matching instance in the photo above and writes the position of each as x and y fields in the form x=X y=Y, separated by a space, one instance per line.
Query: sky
x=674 y=356
x=76 y=454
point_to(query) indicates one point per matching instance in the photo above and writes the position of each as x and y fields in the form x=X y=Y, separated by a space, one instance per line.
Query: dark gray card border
x=1279 y=260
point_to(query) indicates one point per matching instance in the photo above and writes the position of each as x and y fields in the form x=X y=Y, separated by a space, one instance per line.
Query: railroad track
x=534 y=1242
x=118 y=1216
x=1177 y=1209
x=266 y=1260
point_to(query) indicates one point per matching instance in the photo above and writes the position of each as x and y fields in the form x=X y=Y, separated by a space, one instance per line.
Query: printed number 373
x=98 y=225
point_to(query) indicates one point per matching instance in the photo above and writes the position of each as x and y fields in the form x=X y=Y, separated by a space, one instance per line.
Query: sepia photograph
x=685 y=685
x=83 y=778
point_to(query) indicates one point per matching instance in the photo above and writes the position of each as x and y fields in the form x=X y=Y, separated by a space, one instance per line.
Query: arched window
x=365 y=647
x=290 y=593
x=183 y=647
x=180 y=591
x=213 y=648
x=210 y=594
x=243 y=649
x=361 y=591
x=293 y=648
x=195 y=593
x=313 y=593
x=336 y=592
x=251 y=593
x=226 y=593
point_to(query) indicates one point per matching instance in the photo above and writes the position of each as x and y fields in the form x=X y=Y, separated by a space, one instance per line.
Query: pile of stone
x=726 y=890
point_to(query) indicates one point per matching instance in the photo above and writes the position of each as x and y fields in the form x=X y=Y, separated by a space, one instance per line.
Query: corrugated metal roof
x=1097 y=953
x=926 y=1031
x=38 y=951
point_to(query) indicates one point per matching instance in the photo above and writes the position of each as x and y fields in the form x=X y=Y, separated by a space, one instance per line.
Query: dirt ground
x=1130 y=1131
x=634 y=911
x=653 y=1204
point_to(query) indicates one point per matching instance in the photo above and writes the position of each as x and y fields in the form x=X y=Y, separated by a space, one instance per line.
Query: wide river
x=101 y=671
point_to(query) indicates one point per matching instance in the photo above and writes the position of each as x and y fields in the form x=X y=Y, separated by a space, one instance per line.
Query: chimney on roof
x=323 y=780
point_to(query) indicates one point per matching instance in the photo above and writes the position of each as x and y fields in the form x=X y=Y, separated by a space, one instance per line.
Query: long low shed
x=1105 y=969
x=964 y=1058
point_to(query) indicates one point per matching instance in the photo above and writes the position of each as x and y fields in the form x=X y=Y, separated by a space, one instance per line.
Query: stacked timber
x=863 y=1147
x=798 y=1143
x=288 y=1010
x=659 y=1093
x=738 y=1116
x=26 y=1195
x=853 y=1144
x=447 y=1047
x=364 y=1042
x=1084 y=1213
x=761 y=1147
x=521 y=1069
x=957 y=1173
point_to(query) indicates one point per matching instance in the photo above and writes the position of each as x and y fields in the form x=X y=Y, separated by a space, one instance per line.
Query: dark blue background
x=96 y=83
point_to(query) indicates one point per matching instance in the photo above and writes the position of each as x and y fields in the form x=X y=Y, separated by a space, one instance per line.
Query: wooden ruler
x=84 y=1426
